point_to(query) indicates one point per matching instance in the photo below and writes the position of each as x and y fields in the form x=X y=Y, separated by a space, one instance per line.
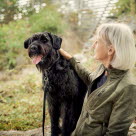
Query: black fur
x=66 y=90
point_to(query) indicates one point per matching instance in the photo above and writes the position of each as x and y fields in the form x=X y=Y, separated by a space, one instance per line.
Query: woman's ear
x=111 y=50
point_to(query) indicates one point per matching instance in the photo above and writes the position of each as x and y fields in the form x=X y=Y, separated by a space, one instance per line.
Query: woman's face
x=100 y=50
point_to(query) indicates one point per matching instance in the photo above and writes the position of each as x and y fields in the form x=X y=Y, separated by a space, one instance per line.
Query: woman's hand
x=65 y=54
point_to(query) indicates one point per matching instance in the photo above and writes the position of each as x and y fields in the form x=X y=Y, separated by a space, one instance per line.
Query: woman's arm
x=123 y=113
x=65 y=54
x=82 y=72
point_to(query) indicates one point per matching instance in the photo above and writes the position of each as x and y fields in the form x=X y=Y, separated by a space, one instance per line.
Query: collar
x=113 y=72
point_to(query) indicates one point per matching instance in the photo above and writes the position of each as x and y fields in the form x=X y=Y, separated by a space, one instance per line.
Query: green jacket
x=111 y=108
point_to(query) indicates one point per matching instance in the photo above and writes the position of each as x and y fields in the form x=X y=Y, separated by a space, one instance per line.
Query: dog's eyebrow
x=46 y=36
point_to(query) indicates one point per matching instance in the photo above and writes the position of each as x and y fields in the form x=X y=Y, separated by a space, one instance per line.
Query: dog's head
x=42 y=48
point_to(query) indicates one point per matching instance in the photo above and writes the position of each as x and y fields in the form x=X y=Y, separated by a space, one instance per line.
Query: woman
x=110 y=103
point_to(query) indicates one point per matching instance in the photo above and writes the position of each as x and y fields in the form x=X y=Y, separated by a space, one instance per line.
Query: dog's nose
x=33 y=48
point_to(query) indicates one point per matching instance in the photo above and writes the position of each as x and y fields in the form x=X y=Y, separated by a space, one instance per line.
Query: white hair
x=120 y=36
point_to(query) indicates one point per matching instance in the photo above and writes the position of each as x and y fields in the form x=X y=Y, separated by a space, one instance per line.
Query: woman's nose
x=93 y=45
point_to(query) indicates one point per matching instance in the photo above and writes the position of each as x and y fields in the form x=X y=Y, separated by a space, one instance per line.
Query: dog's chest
x=58 y=79
x=62 y=83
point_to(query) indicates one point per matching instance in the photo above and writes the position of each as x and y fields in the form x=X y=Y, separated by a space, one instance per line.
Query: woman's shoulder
x=126 y=89
x=127 y=83
x=129 y=79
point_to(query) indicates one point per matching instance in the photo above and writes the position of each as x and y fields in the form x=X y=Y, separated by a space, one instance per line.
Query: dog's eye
x=45 y=40
x=39 y=48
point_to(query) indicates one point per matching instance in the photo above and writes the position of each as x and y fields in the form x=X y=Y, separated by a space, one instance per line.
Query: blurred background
x=75 y=21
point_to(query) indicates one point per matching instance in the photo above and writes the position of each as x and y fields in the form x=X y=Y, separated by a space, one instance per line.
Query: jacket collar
x=113 y=72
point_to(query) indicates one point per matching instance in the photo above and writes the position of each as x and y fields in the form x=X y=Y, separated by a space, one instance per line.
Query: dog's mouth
x=36 y=59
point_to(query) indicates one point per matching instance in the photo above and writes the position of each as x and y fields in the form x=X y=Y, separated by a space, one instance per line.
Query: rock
x=34 y=132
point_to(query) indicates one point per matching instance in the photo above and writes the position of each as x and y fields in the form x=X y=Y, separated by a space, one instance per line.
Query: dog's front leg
x=54 y=111
x=69 y=120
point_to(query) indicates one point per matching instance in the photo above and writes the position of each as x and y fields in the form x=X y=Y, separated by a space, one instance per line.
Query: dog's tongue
x=36 y=59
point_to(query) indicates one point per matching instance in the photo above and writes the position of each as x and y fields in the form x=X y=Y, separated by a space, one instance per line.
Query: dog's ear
x=27 y=43
x=56 y=41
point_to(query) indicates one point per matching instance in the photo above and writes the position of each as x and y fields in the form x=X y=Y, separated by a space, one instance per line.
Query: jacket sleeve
x=123 y=113
x=82 y=72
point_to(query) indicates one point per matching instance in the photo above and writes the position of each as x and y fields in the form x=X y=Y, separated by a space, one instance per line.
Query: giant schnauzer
x=66 y=91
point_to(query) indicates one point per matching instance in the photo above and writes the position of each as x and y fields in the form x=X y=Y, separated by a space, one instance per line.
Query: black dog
x=66 y=90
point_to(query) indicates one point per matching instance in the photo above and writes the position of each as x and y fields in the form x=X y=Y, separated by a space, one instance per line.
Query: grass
x=21 y=101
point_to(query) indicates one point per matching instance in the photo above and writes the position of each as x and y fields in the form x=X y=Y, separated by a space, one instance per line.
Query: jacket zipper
x=96 y=92
x=96 y=78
